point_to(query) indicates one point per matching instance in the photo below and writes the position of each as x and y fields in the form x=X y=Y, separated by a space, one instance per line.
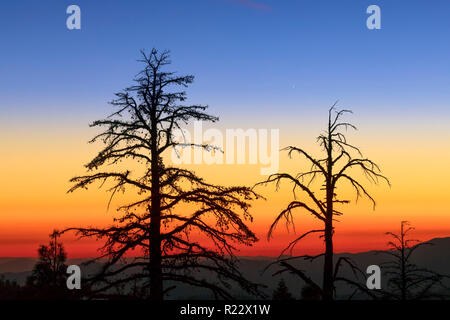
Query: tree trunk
x=403 y=266
x=156 y=283
x=328 y=281
x=156 y=286
x=328 y=286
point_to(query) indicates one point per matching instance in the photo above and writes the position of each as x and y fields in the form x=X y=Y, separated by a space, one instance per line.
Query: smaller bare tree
x=336 y=167
x=407 y=281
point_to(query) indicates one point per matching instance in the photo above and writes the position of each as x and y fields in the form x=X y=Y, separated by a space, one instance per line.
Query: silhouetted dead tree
x=175 y=205
x=334 y=168
x=407 y=281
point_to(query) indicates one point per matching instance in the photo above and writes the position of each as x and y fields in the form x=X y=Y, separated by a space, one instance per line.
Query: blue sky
x=258 y=64
x=263 y=56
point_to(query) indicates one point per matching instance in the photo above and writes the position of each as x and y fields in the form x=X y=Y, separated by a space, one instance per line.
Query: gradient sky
x=258 y=64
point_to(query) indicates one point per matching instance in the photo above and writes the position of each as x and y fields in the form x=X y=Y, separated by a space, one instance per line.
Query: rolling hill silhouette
x=435 y=257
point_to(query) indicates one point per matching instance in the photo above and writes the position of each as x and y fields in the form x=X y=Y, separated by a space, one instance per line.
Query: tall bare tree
x=407 y=281
x=175 y=207
x=337 y=166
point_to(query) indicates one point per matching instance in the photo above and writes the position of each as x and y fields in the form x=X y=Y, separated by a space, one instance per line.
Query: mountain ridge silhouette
x=435 y=257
